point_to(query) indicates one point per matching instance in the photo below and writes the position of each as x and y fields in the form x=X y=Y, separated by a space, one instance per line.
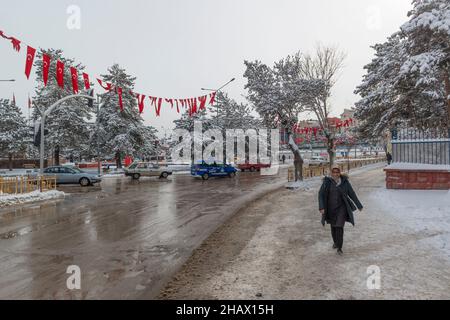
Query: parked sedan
x=147 y=169
x=252 y=167
x=66 y=175
x=317 y=160
x=212 y=170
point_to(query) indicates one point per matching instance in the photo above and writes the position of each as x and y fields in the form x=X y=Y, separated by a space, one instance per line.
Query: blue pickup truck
x=212 y=170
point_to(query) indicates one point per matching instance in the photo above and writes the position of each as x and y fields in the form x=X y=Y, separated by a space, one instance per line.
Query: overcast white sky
x=175 y=47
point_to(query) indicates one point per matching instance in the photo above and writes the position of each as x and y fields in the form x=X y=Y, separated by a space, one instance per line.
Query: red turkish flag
x=213 y=98
x=87 y=84
x=140 y=99
x=152 y=100
x=30 y=58
x=170 y=101
x=60 y=74
x=315 y=131
x=45 y=67
x=16 y=43
x=202 y=102
x=74 y=75
x=194 y=105
x=158 y=108
x=108 y=86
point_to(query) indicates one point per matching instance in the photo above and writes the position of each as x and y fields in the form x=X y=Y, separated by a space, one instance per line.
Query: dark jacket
x=348 y=196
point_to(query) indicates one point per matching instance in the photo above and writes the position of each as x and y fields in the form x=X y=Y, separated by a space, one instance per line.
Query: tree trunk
x=56 y=156
x=330 y=150
x=447 y=92
x=298 y=161
x=10 y=162
x=118 y=160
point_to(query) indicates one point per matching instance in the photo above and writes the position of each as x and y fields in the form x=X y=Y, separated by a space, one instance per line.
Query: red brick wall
x=418 y=179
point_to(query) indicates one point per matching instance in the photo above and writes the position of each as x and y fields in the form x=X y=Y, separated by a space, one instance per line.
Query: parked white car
x=317 y=160
x=147 y=169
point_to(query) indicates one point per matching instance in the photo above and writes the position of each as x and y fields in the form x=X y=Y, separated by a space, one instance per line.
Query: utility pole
x=99 y=165
x=217 y=90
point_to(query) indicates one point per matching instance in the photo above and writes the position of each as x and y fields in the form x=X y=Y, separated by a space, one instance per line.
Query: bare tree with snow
x=324 y=64
x=280 y=94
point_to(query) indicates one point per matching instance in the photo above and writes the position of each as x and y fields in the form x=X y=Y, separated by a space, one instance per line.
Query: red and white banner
x=30 y=58
x=74 y=75
x=87 y=84
x=60 y=74
x=45 y=67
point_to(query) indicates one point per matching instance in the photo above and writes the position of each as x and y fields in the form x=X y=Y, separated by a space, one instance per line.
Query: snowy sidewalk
x=277 y=249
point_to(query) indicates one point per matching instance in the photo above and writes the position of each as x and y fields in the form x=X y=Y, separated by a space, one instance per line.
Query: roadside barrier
x=25 y=184
x=323 y=170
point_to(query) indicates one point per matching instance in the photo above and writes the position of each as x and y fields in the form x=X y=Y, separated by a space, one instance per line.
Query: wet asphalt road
x=127 y=237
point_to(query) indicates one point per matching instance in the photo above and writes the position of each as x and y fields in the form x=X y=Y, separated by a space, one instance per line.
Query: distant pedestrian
x=337 y=201
x=283 y=158
x=388 y=158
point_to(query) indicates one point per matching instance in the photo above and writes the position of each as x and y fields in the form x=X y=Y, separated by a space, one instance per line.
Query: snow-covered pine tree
x=225 y=114
x=408 y=80
x=186 y=122
x=228 y=114
x=122 y=132
x=427 y=39
x=13 y=131
x=382 y=102
x=67 y=124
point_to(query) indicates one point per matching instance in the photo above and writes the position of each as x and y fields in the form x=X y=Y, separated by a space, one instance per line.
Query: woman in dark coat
x=337 y=202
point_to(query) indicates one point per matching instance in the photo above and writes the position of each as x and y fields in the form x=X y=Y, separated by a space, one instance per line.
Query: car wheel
x=205 y=176
x=136 y=176
x=232 y=174
x=84 y=182
x=164 y=175
x=252 y=169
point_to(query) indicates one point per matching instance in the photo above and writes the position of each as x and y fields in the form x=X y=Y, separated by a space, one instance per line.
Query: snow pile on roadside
x=298 y=185
x=11 y=199
x=425 y=211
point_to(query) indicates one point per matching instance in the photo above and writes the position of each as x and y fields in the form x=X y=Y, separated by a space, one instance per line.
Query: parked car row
x=72 y=175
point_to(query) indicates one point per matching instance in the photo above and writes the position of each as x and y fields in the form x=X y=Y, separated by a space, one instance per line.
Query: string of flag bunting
x=192 y=104
x=308 y=130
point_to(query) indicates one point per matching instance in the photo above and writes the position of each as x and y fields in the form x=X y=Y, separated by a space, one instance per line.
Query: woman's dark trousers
x=338 y=236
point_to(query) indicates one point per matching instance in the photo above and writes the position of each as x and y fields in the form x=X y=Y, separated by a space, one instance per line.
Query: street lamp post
x=44 y=114
x=217 y=90
x=10 y=80
x=99 y=165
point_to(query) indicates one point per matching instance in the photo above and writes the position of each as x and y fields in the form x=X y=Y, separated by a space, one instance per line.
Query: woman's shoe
x=334 y=246
x=339 y=252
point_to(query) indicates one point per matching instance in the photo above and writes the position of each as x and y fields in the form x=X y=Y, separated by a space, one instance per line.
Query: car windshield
x=77 y=170
x=133 y=165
